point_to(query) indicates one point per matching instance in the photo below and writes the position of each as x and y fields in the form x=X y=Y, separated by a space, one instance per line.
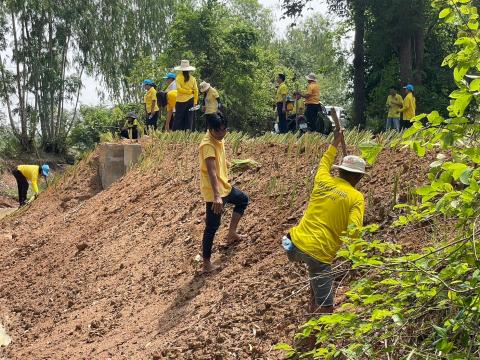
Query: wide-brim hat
x=132 y=115
x=184 y=66
x=204 y=86
x=352 y=163
x=311 y=77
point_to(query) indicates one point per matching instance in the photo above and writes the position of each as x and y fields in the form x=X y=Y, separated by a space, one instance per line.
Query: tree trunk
x=405 y=59
x=359 y=93
x=419 y=55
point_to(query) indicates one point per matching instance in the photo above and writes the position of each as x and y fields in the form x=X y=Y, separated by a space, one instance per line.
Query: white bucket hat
x=311 y=77
x=184 y=66
x=204 y=86
x=352 y=163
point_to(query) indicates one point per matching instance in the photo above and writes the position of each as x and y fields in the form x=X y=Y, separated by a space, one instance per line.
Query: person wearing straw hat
x=312 y=103
x=151 y=106
x=211 y=99
x=25 y=173
x=171 y=100
x=334 y=205
x=187 y=96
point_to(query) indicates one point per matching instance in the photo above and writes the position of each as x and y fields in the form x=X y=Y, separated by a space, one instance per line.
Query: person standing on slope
x=312 y=103
x=24 y=173
x=151 y=105
x=187 y=96
x=281 y=103
x=216 y=189
x=409 y=106
x=211 y=100
x=171 y=100
x=334 y=205
x=394 y=105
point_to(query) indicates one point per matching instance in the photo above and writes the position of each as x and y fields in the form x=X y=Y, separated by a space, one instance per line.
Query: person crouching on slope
x=334 y=205
x=23 y=173
x=216 y=189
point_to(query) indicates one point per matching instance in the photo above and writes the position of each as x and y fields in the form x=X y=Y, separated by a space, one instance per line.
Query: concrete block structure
x=115 y=160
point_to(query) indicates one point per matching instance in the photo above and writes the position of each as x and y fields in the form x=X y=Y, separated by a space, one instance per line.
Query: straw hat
x=311 y=77
x=204 y=86
x=184 y=66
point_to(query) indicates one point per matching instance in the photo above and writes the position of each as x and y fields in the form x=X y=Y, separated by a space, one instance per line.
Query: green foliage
x=421 y=305
x=9 y=145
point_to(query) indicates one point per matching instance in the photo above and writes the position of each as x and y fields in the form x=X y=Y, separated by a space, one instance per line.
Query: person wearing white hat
x=187 y=96
x=334 y=205
x=312 y=103
x=211 y=100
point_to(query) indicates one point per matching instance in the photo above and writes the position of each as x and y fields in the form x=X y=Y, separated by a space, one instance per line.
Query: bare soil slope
x=91 y=274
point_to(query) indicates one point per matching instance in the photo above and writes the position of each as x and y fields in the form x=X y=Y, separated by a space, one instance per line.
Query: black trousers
x=153 y=121
x=212 y=221
x=124 y=133
x=311 y=113
x=183 y=117
x=22 y=184
x=282 y=119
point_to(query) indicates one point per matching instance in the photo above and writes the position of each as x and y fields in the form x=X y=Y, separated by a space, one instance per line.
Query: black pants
x=183 y=117
x=282 y=118
x=124 y=133
x=311 y=113
x=22 y=184
x=153 y=121
x=212 y=220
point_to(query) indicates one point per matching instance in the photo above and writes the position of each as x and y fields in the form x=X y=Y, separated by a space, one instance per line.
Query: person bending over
x=25 y=173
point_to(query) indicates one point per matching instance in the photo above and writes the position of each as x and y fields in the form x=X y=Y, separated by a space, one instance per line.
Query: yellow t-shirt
x=186 y=89
x=300 y=105
x=31 y=172
x=409 y=107
x=211 y=147
x=313 y=94
x=394 y=109
x=333 y=205
x=130 y=125
x=211 y=102
x=171 y=100
x=281 y=91
x=148 y=98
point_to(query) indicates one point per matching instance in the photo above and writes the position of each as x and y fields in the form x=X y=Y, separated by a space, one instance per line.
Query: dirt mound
x=90 y=274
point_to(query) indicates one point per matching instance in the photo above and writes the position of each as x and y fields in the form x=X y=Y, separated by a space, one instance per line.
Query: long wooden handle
x=333 y=113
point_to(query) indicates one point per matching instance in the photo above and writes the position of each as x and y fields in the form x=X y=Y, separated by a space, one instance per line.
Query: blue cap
x=45 y=169
x=409 y=87
x=147 y=82
x=170 y=75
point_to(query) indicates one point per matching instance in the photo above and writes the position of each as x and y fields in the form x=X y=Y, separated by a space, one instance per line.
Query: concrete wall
x=116 y=160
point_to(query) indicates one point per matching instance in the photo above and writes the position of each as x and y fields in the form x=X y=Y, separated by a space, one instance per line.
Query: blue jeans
x=393 y=123
x=212 y=220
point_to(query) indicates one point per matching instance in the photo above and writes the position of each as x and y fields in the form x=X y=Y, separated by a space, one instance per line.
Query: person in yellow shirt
x=312 y=104
x=25 y=173
x=216 y=189
x=131 y=128
x=150 y=102
x=334 y=205
x=211 y=98
x=281 y=101
x=409 y=106
x=394 y=105
x=187 y=97
x=171 y=100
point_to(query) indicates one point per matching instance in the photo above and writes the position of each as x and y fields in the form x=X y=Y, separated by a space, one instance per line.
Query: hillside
x=91 y=274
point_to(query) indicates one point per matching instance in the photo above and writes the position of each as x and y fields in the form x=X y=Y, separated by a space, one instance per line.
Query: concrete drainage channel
x=116 y=160
x=5 y=340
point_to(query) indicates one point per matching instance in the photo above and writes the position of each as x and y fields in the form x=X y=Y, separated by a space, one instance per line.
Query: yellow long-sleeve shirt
x=186 y=89
x=333 y=205
x=409 y=107
x=31 y=172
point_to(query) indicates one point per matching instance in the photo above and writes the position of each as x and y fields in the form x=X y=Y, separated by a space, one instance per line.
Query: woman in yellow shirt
x=187 y=97
x=312 y=104
x=24 y=173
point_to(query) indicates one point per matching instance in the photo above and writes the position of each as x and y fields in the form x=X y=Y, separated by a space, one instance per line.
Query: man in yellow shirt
x=334 y=205
x=216 y=189
x=312 y=103
x=281 y=101
x=409 y=106
x=151 y=106
x=394 y=105
x=24 y=173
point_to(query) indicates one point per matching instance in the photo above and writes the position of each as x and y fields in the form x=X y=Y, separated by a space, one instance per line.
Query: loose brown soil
x=91 y=274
